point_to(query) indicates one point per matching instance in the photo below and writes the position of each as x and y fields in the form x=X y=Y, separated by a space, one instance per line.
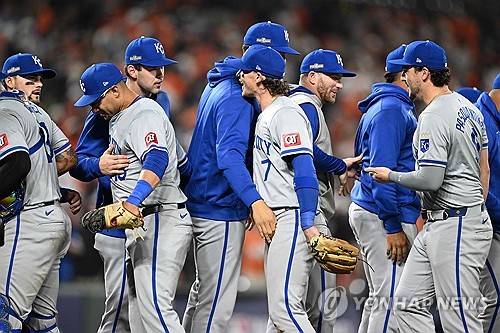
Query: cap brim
x=158 y=62
x=238 y=64
x=86 y=100
x=343 y=72
x=286 y=49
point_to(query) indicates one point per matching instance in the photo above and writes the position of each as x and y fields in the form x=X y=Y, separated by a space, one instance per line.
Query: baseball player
x=320 y=81
x=140 y=130
x=451 y=149
x=25 y=73
x=37 y=236
x=284 y=175
x=220 y=191
x=489 y=105
x=383 y=216
x=97 y=161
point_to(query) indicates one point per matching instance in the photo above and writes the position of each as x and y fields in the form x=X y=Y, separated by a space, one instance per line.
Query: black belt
x=148 y=210
x=433 y=215
x=40 y=204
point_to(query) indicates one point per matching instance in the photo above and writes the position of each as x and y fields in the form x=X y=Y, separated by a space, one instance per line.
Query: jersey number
x=268 y=162
x=44 y=132
x=474 y=136
x=118 y=178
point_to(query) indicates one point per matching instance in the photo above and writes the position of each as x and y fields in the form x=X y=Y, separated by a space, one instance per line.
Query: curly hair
x=276 y=86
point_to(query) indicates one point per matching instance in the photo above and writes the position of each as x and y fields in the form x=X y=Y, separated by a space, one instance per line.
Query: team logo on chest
x=150 y=138
x=4 y=142
x=291 y=139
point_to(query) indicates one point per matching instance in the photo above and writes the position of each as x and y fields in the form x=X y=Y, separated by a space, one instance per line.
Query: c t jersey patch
x=150 y=138
x=291 y=139
x=4 y=141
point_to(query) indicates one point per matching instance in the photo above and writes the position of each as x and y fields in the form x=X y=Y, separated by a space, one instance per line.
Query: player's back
x=22 y=132
x=457 y=127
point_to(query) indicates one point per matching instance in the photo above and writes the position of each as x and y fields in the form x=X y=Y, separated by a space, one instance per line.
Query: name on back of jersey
x=465 y=113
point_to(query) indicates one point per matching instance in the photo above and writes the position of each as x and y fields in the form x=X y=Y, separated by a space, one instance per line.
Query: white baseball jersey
x=451 y=134
x=20 y=131
x=134 y=132
x=324 y=142
x=282 y=130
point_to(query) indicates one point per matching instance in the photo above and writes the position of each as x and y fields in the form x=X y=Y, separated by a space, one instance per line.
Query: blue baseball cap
x=324 y=61
x=423 y=53
x=496 y=82
x=472 y=94
x=396 y=54
x=269 y=34
x=260 y=58
x=25 y=64
x=96 y=80
x=148 y=52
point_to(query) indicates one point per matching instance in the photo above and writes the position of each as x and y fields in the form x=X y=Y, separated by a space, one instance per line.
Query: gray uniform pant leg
x=288 y=265
x=157 y=262
x=444 y=264
x=218 y=246
x=35 y=243
x=113 y=254
x=490 y=289
x=320 y=281
x=383 y=279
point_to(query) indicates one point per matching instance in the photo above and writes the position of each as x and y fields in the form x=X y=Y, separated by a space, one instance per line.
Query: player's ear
x=131 y=71
x=312 y=77
x=9 y=83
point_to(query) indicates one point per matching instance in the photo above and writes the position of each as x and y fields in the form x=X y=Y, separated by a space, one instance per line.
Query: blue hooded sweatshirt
x=220 y=187
x=384 y=137
x=492 y=122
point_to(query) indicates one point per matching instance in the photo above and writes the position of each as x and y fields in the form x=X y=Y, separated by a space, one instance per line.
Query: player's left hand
x=397 y=247
x=353 y=166
x=344 y=188
x=380 y=174
x=73 y=198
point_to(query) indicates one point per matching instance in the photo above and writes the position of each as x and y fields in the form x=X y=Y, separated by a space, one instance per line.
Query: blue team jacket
x=384 y=137
x=221 y=187
x=492 y=122
x=92 y=143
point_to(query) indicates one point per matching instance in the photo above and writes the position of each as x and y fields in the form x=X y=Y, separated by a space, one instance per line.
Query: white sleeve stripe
x=296 y=151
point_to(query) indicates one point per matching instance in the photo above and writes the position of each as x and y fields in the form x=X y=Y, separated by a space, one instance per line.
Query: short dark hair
x=390 y=77
x=439 y=77
x=138 y=67
x=276 y=86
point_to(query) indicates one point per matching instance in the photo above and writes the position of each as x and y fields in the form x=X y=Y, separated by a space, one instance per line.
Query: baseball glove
x=334 y=255
x=12 y=204
x=113 y=216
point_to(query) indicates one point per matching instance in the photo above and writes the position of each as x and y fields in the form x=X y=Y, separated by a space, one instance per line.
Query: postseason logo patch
x=291 y=139
x=4 y=142
x=150 y=138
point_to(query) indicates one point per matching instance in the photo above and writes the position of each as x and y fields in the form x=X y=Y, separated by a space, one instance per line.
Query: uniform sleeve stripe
x=13 y=150
x=63 y=148
x=151 y=148
x=295 y=151
x=432 y=162
x=183 y=161
x=37 y=146
x=485 y=145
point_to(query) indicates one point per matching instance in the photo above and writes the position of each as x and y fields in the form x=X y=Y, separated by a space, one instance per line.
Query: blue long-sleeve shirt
x=221 y=187
x=92 y=143
x=384 y=137
x=492 y=121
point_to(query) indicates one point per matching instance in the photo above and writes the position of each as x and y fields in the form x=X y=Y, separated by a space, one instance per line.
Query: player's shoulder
x=145 y=108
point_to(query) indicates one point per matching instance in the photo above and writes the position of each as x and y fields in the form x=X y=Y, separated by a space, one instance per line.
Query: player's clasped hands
x=263 y=217
x=353 y=171
x=111 y=165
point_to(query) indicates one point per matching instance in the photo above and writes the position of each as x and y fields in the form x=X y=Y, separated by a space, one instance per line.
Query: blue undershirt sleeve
x=328 y=163
x=306 y=188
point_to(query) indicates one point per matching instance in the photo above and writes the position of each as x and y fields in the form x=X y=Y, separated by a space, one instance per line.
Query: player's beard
x=325 y=93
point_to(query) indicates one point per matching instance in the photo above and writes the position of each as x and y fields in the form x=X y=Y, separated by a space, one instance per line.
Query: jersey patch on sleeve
x=4 y=142
x=424 y=145
x=150 y=138
x=291 y=139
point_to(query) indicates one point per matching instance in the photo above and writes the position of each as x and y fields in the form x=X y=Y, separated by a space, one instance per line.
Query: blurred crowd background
x=68 y=36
